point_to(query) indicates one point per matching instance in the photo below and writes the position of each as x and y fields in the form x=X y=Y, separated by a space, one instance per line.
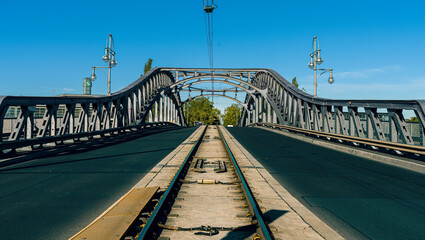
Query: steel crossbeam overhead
x=219 y=95
x=155 y=97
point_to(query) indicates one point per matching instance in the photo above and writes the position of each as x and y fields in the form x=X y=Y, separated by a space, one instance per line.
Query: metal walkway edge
x=115 y=222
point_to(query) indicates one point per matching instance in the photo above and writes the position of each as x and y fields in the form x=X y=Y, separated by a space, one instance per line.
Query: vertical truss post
x=398 y=122
x=269 y=113
x=374 y=124
x=114 y=113
x=46 y=122
x=328 y=121
x=393 y=134
x=257 y=109
x=20 y=123
x=299 y=120
x=341 y=126
x=284 y=107
x=173 y=109
x=3 y=112
x=307 y=116
x=355 y=126
x=139 y=103
x=131 y=110
x=150 y=116
x=93 y=117
x=249 y=113
x=263 y=110
x=53 y=120
x=168 y=109
x=165 y=108
x=30 y=126
x=156 y=111
x=161 y=114
x=290 y=110
x=67 y=122
x=81 y=123
x=317 y=118
x=106 y=116
x=135 y=107
x=71 y=111
x=274 y=117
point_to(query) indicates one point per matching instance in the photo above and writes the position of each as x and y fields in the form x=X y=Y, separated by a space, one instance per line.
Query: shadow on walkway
x=78 y=147
x=84 y=159
x=268 y=216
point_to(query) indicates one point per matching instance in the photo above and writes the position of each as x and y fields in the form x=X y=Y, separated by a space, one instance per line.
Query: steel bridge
x=155 y=97
x=61 y=155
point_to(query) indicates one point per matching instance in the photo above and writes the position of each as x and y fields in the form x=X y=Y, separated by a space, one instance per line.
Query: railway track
x=199 y=191
x=207 y=198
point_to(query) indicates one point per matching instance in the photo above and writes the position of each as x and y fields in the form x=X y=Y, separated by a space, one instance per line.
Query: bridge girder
x=155 y=97
x=218 y=95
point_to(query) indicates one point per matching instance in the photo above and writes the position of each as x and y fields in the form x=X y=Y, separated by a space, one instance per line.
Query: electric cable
x=209 y=31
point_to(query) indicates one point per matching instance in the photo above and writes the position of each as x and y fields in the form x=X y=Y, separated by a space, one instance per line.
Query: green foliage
x=294 y=81
x=201 y=109
x=148 y=65
x=232 y=115
x=413 y=119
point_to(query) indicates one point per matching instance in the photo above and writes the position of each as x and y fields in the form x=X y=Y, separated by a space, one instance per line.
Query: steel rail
x=264 y=230
x=413 y=149
x=150 y=224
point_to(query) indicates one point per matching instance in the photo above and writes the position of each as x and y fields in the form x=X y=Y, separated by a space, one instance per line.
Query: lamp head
x=319 y=60
x=311 y=64
x=93 y=74
x=93 y=77
x=113 y=63
x=331 y=78
x=105 y=58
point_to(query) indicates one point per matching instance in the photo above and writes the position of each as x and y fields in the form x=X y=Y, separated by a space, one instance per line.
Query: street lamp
x=109 y=58
x=316 y=59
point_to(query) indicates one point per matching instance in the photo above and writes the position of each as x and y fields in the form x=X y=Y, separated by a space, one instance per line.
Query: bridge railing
x=149 y=99
x=281 y=102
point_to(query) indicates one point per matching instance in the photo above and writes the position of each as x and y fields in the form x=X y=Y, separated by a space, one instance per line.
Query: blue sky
x=376 y=48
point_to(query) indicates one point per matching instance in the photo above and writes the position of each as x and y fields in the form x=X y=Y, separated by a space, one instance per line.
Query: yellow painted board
x=115 y=221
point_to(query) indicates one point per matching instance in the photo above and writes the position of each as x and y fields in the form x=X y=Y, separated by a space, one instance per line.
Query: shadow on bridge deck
x=55 y=197
x=359 y=198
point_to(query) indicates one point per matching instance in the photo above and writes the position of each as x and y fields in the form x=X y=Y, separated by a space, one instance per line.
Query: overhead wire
x=209 y=30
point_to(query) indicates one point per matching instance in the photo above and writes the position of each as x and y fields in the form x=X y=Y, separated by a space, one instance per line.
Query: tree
x=413 y=119
x=232 y=115
x=148 y=66
x=294 y=81
x=201 y=109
